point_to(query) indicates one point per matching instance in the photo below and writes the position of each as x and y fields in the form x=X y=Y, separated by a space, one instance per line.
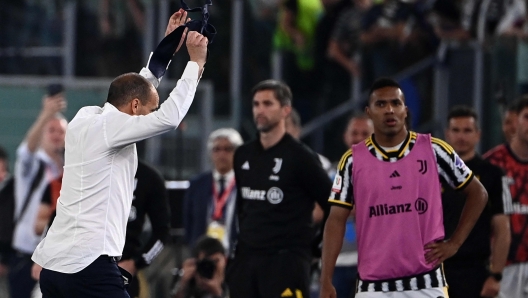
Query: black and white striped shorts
x=428 y=280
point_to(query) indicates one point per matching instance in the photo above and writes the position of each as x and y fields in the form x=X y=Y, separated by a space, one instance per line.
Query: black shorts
x=285 y=274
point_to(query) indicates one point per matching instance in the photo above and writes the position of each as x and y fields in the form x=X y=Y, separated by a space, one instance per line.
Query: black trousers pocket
x=127 y=277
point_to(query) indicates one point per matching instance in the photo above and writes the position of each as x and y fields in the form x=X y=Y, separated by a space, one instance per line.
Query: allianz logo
x=253 y=194
x=420 y=205
x=274 y=195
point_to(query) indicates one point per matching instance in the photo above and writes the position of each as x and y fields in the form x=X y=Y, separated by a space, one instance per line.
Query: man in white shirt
x=79 y=253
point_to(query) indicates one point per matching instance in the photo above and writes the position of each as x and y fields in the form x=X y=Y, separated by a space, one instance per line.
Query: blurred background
x=328 y=51
x=443 y=52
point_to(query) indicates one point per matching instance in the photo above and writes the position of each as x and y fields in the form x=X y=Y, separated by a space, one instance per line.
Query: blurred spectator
x=263 y=26
x=39 y=161
x=150 y=201
x=358 y=128
x=209 y=202
x=202 y=276
x=48 y=204
x=345 y=41
x=513 y=158
x=4 y=165
x=334 y=84
x=294 y=128
x=5 y=204
x=447 y=20
x=502 y=17
x=295 y=38
x=461 y=20
x=473 y=271
x=121 y=25
x=509 y=122
x=384 y=30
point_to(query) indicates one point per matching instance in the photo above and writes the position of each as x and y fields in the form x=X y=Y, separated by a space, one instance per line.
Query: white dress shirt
x=98 y=180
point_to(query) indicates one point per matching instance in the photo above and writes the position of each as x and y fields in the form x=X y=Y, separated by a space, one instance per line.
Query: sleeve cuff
x=147 y=74
x=192 y=71
x=340 y=203
x=465 y=183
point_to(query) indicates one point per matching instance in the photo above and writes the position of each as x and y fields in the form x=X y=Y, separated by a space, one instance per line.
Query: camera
x=206 y=268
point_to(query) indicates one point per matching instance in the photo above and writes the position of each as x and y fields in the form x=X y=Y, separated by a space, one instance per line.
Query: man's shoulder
x=88 y=111
x=485 y=167
x=201 y=178
x=442 y=145
x=300 y=147
x=249 y=145
x=246 y=147
x=498 y=151
x=344 y=159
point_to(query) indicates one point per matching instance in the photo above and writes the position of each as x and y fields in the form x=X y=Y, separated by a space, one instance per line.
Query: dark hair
x=3 y=153
x=512 y=106
x=295 y=118
x=281 y=91
x=462 y=111
x=522 y=104
x=128 y=86
x=209 y=246
x=382 y=83
x=4 y=156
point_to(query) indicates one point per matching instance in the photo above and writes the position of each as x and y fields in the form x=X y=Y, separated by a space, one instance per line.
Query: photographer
x=203 y=275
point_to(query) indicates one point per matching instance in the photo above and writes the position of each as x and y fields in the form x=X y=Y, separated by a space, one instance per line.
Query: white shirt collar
x=228 y=176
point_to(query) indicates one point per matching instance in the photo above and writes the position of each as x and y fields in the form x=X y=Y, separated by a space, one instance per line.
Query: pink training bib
x=399 y=211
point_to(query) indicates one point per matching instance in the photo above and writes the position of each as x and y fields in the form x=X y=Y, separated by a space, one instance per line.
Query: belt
x=431 y=279
x=109 y=258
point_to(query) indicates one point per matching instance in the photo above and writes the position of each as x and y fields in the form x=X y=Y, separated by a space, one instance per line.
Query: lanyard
x=220 y=201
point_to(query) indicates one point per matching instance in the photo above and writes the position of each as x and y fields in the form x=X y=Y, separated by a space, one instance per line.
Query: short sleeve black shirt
x=477 y=245
x=277 y=189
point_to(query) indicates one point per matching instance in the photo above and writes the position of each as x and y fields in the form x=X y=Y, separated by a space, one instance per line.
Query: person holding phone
x=39 y=160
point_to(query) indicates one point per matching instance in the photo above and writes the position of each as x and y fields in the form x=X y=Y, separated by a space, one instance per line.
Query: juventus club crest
x=278 y=164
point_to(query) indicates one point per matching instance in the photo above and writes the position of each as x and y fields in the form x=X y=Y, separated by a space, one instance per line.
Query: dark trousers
x=133 y=287
x=344 y=281
x=20 y=282
x=465 y=280
x=101 y=279
x=285 y=274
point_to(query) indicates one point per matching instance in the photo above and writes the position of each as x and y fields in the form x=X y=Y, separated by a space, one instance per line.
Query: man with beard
x=475 y=270
x=278 y=181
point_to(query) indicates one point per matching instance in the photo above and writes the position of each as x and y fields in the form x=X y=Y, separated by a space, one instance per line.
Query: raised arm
x=124 y=129
x=177 y=19
x=50 y=106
